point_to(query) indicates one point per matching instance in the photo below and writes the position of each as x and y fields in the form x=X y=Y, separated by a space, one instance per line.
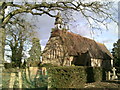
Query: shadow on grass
x=41 y=88
x=112 y=81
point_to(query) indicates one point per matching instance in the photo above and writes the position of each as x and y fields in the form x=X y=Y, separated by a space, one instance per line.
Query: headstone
x=49 y=83
x=109 y=75
x=27 y=75
x=44 y=71
x=33 y=72
x=12 y=80
x=114 y=74
x=20 y=79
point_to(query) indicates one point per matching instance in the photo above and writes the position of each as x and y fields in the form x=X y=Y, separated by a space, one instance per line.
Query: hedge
x=73 y=76
x=118 y=69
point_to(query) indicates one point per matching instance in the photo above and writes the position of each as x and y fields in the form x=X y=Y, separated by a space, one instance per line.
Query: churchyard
x=58 y=77
x=69 y=60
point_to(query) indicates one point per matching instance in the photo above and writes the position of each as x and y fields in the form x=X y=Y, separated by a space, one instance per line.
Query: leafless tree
x=18 y=36
x=99 y=12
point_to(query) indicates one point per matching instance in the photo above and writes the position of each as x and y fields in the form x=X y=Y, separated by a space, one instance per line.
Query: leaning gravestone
x=12 y=80
x=114 y=74
x=33 y=72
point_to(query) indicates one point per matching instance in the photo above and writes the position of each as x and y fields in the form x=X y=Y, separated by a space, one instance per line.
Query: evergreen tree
x=116 y=53
x=35 y=51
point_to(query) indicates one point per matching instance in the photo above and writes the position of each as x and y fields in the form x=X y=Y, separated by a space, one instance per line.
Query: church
x=66 y=48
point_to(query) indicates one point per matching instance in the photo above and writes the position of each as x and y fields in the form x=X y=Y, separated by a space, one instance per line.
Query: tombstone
x=114 y=74
x=27 y=74
x=20 y=79
x=33 y=72
x=44 y=71
x=49 y=82
x=109 y=75
x=12 y=80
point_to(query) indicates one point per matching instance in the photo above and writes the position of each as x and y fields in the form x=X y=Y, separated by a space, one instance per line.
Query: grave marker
x=12 y=80
x=20 y=80
x=114 y=74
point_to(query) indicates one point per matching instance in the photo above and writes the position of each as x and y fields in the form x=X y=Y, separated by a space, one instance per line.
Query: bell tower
x=59 y=25
x=58 y=22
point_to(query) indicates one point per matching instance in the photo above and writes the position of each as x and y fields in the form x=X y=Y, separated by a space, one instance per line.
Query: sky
x=108 y=37
x=44 y=24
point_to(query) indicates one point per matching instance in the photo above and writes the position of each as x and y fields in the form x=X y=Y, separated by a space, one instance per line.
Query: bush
x=47 y=65
x=94 y=74
x=66 y=77
x=90 y=74
x=97 y=74
x=118 y=69
x=8 y=65
x=73 y=76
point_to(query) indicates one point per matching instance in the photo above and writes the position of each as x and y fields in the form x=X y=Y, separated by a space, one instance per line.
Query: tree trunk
x=2 y=44
x=2 y=36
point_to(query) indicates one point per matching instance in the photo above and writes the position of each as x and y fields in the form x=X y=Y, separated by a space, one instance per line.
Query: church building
x=66 y=48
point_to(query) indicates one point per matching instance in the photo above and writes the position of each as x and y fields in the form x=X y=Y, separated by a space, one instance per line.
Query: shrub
x=73 y=76
x=66 y=77
x=47 y=65
x=97 y=74
x=8 y=65
x=118 y=69
x=90 y=74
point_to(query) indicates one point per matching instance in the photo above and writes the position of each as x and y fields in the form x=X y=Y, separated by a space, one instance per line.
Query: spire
x=58 y=22
x=58 y=19
x=59 y=25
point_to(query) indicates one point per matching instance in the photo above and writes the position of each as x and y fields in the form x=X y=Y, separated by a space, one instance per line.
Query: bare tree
x=18 y=35
x=101 y=11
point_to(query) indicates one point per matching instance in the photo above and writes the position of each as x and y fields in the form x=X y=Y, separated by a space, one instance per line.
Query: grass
x=102 y=85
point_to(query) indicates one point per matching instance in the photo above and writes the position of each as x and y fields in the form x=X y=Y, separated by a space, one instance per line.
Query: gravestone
x=114 y=76
x=44 y=71
x=33 y=72
x=27 y=74
x=20 y=79
x=109 y=75
x=12 y=80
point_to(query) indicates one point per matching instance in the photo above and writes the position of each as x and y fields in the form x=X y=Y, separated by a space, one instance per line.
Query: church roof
x=76 y=45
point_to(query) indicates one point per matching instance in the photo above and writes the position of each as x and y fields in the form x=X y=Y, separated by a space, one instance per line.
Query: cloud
x=42 y=47
x=45 y=23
